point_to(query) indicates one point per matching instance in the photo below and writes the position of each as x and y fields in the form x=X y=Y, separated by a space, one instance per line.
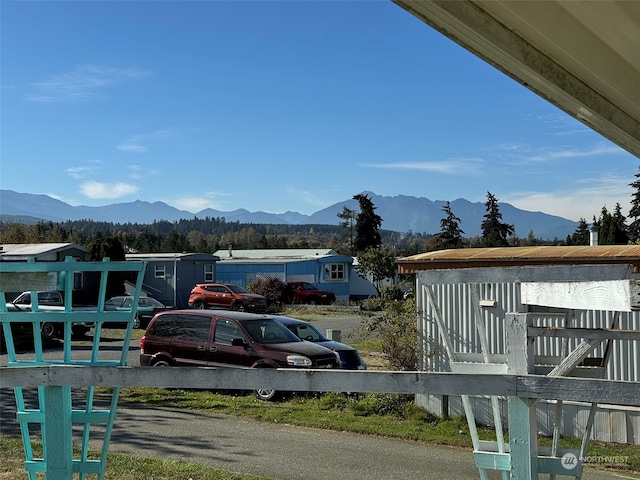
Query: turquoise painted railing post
x=52 y=407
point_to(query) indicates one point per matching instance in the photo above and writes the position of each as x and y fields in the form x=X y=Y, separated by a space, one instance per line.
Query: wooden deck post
x=523 y=437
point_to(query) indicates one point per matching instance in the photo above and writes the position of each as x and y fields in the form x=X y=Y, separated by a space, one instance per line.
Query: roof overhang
x=582 y=56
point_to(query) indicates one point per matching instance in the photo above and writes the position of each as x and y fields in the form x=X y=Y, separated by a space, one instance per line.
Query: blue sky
x=277 y=106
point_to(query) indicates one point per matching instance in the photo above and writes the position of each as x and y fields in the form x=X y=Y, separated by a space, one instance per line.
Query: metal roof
x=171 y=256
x=535 y=255
x=36 y=249
x=274 y=253
x=582 y=56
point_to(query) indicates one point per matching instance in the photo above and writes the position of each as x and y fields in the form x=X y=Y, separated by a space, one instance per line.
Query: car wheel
x=239 y=307
x=79 y=331
x=313 y=301
x=161 y=363
x=136 y=322
x=198 y=305
x=48 y=330
x=268 y=395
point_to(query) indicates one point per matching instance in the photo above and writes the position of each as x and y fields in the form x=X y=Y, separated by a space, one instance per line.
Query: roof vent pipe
x=593 y=235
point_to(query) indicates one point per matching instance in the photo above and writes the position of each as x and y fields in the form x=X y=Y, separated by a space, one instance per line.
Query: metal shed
x=14 y=283
x=466 y=285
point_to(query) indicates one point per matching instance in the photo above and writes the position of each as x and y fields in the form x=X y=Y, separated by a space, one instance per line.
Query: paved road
x=278 y=451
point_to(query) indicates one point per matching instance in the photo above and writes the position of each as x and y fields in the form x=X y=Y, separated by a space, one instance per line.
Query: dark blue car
x=349 y=356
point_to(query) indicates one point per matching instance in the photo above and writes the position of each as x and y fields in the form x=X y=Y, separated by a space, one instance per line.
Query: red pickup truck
x=308 y=293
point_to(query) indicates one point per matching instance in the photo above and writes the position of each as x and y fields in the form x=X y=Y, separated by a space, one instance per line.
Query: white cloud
x=132 y=147
x=454 y=166
x=562 y=154
x=81 y=84
x=79 y=172
x=97 y=190
x=583 y=202
x=136 y=172
x=213 y=200
x=138 y=143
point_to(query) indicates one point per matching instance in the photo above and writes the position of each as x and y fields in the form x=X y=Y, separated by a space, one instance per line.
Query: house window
x=334 y=271
x=160 y=271
x=208 y=272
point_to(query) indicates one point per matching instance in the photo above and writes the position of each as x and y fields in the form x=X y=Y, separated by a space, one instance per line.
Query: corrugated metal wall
x=457 y=307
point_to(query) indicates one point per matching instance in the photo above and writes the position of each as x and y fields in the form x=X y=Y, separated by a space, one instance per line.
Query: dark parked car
x=349 y=356
x=147 y=308
x=308 y=293
x=219 y=338
x=227 y=296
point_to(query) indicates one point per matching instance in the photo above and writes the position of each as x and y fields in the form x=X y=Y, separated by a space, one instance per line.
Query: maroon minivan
x=227 y=338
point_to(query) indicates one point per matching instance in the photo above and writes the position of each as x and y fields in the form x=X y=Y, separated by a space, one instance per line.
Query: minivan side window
x=226 y=331
x=194 y=328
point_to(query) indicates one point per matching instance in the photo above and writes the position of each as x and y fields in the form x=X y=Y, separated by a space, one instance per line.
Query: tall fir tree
x=612 y=227
x=348 y=218
x=621 y=235
x=494 y=231
x=634 y=213
x=450 y=235
x=581 y=235
x=368 y=224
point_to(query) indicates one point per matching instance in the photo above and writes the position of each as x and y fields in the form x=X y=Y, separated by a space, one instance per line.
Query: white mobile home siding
x=453 y=293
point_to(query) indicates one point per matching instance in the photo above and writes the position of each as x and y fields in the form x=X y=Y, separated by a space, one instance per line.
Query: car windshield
x=237 y=289
x=268 y=330
x=115 y=301
x=307 y=332
x=149 y=302
x=309 y=286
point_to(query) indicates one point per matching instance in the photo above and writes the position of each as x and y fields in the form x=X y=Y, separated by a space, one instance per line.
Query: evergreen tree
x=348 y=218
x=634 y=212
x=109 y=247
x=581 y=235
x=368 y=224
x=494 y=231
x=450 y=235
x=613 y=230
x=531 y=239
x=621 y=236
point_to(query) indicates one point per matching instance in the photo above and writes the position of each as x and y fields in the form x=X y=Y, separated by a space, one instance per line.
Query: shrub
x=391 y=293
x=273 y=289
x=372 y=304
x=397 y=331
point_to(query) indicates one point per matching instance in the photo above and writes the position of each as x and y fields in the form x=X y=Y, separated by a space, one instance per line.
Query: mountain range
x=400 y=213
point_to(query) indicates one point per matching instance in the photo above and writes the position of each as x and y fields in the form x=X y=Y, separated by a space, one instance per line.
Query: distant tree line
x=200 y=235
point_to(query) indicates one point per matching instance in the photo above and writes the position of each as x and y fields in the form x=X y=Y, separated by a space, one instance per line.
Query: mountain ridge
x=399 y=213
